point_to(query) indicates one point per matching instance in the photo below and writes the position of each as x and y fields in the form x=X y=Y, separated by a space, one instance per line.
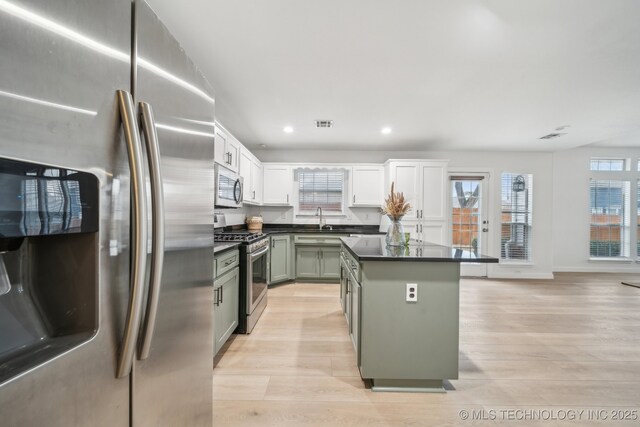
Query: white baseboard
x=597 y=269
x=520 y=275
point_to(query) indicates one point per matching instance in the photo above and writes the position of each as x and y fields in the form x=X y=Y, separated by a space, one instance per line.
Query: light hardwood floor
x=527 y=349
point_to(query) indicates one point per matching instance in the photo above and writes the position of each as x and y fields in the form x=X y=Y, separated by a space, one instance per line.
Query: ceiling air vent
x=553 y=135
x=324 y=123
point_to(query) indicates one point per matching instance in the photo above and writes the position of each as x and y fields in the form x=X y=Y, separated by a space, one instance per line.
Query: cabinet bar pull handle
x=354 y=198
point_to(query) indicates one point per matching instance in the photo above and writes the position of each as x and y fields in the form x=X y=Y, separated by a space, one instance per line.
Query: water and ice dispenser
x=49 y=250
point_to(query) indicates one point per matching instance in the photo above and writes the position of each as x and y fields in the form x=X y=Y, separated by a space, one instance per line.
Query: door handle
x=138 y=235
x=157 y=229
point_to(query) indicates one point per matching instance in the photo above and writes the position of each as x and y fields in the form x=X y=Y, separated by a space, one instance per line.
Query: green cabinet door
x=280 y=259
x=226 y=298
x=343 y=284
x=356 y=290
x=330 y=262
x=307 y=262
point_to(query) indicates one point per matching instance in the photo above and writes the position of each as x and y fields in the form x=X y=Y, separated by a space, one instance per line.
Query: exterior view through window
x=516 y=216
x=609 y=209
x=320 y=189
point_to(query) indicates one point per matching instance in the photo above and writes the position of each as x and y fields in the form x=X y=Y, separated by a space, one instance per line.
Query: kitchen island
x=402 y=307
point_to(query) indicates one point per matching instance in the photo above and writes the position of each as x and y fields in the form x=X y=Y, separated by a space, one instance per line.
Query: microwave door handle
x=157 y=229
x=138 y=235
x=238 y=185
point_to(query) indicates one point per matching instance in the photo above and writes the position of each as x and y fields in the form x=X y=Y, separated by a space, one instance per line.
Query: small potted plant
x=395 y=207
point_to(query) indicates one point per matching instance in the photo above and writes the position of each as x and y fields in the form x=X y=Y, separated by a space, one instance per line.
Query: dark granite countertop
x=374 y=248
x=336 y=229
x=219 y=248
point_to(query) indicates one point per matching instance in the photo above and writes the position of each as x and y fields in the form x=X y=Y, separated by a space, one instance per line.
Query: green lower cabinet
x=344 y=273
x=307 y=262
x=354 y=325
x=226 y=297
x=318 y=262
x=280 y=259
x=330 y=263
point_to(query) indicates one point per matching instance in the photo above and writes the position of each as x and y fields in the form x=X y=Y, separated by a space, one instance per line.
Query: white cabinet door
x=434 y=232
x=245 y=173
x=367 y=186
x=406 y=176
x=256 y=181
x=278 y=185
x=434 y=186
x=233 y=150
x=220 y=147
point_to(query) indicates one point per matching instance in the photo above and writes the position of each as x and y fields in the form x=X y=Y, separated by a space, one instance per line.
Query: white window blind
x=517 y=216
x=609 y=209
x=321 y=188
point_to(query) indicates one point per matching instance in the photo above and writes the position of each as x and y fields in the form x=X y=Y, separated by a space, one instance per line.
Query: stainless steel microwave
x=228 y=188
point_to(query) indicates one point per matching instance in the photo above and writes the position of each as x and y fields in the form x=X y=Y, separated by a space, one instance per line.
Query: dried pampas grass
x=395 y=206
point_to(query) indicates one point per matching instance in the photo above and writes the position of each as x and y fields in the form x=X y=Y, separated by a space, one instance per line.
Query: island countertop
x=374 y=248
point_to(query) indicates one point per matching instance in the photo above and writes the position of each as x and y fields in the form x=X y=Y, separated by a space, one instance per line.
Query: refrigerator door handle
x=138 y=234
x=157 y=229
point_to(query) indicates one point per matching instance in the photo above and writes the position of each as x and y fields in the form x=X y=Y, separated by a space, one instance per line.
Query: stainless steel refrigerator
x=106 y=219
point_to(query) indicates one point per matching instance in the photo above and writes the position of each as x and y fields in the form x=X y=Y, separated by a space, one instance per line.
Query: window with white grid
x=610 y=210
x=516 y=216
x=608 y=165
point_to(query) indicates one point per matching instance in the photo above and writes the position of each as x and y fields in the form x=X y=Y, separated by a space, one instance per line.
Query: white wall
x=571 y=208
x=538 y=164
x=234 y=216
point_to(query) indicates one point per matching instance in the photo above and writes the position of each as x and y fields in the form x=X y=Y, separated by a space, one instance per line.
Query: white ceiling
x=446 y=75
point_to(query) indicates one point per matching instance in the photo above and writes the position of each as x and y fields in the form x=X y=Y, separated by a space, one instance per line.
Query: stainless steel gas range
x=254 y=272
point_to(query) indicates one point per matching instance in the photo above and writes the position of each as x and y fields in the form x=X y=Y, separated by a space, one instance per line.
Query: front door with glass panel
x=468 y=220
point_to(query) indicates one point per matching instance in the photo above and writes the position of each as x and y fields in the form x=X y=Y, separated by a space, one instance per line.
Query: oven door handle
x=263 y=251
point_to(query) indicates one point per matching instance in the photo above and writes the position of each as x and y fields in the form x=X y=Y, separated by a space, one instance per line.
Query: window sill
x=624 y=260
x=311 y=215
x=510 y=263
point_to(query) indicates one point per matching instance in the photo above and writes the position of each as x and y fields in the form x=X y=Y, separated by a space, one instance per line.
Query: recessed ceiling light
x=386 y=130
x=288 y=129
x=263 y=145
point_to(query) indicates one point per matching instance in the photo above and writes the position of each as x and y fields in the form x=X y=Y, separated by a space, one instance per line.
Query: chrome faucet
x=319 y=213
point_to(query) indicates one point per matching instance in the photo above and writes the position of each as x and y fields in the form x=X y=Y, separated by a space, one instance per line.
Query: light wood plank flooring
x=572 y=344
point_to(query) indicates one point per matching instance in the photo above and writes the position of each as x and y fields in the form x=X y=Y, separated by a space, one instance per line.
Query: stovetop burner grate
x=238 y=237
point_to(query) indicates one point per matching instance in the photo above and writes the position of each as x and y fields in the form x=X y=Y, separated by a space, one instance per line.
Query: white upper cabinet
x=367 y=186
x=220 y=147
x=245 y=172
x=278 y=184
x=406 y=177
x=256 y=181
x=434 y=185
x=226 y=149
x=424 y=186
x=233 y=149
x=251 y=172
